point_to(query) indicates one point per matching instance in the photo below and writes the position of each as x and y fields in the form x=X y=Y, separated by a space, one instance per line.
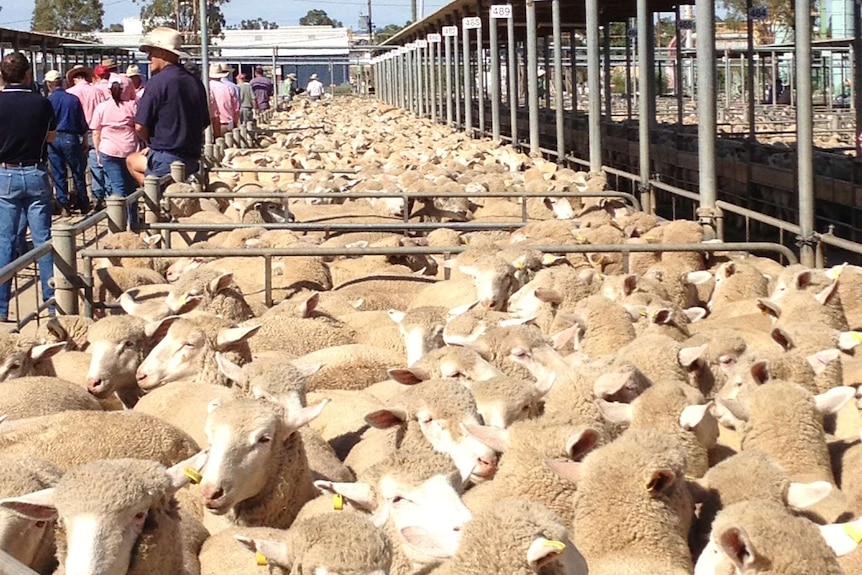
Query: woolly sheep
x=421 y=328
x=296 y=336
x=215 y=292
x=736 y=281
x=516 y=537
x=71 y=329
x=606 y=326
x=110 y=283
x=108 y=526
x=30 y=542
x=33 y=396
x=641 y=518
x=354 y=366
x=343 y=543
x=118 y=345
x=221 y=554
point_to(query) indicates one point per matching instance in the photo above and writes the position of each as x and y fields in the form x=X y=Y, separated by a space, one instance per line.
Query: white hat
x=52 y=76
x=541 y=72
x=165 y=38
x=218 y=71
x=313 y=77
x=133 y=71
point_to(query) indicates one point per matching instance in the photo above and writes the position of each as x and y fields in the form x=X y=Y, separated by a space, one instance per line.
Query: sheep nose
x=211 y=494
x=489 y=303
x=94 y=386
x=140 y=376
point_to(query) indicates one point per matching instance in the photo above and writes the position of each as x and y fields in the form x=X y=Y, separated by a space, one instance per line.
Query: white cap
x=52 y=76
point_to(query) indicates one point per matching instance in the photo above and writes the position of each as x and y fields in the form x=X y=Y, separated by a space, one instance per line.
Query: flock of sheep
x=665 y=413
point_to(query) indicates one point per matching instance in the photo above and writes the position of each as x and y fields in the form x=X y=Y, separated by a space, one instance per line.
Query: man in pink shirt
x=225 y=98
x=78 y=80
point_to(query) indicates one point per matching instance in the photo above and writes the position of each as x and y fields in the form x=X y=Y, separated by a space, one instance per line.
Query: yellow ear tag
x=559 y=546
x=260 y=558
x=193 y=475
x=520 y=265
x=853 y=532
x=857 y=336
x=835 y=272
x=642 y=312
x=338 y=502
x=548 y=259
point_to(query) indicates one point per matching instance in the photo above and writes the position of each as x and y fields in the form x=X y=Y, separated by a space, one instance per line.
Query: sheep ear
x=56 y=328
x=820 y=360
x=275 y=552
x=848 y=340
x=430 y=543
x=408 y=376
x=842 y=538
x=46 y=351
x=564 y=468
x=761 y=372
x=362 y=494
x=493 y=437
x=782 y=338
x=156 y=330
x=803 y=280
x=803 y=495
x=692 y=415
x=514 y=321
x=615 y=412
x=588 y=276
x=769 y=307
x=581 y=442
x=296 y=419
x=737 y=546
x=660 y=481
x=697 y=278
x=636 y=312
x=220 y=283
x=548 y=295
x=187 y=304
x=630 y=284
x=833 y=400
x=694 y=314
x=386 y=418
x=234 y=335
x=623 y=386
x=38 y=505
x=824 y=295
x=729 y=269
x=662 y=316
x=689 y=355
x=541 y=551
x=396 y=316
x=308 y=369
x=461 y=309
x=229 y=369
x=309 y=304
x=187 y=471
x=736 y=408
x=560 y=339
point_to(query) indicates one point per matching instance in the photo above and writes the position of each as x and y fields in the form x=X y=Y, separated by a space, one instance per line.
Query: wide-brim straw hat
x=164 y=38
x=133 y=71
x=218 y=71
x=79 y=70
x=52 y=76
x=109 y=63
x=292 y=76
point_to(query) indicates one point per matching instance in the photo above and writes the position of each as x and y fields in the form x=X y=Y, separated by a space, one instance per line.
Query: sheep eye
x=129 y=344
x=263 y=439
x=15 y=365
x=518 y=352
x=397 y=499
x=188 y=344
x=140 y=516
x=41 y=524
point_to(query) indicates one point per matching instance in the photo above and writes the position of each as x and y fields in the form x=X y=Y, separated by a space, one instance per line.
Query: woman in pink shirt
x=114 y=138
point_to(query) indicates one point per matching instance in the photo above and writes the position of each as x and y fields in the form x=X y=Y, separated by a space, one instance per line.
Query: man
x=115 y=76
x=315 y=88
x=246 y=100
x=133 y=73
x=25 y=194
x=263 y=89
x=69 y=147
x=174 y=111
x=80 y=78
x=225 y=99
x=227 y=81
x=289 y=87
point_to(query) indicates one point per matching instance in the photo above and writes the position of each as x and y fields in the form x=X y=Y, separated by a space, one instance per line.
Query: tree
x=114 y=28
x=779 y=15
x=256 y=24
x=182 y=15
x=388 y=31
x=64 y=16
x=319 y=18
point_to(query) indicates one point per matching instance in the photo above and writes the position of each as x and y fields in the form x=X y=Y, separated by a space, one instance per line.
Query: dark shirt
x=263 y=90
x=69 y=112
x=25 y=120
x=175 y=110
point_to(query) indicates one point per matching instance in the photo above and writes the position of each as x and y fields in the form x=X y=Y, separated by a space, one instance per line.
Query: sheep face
x=182 y=265
x=116 y=356
x=493 y=279
x=28 y=540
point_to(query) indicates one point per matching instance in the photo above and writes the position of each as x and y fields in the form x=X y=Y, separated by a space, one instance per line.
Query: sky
x=17 y=13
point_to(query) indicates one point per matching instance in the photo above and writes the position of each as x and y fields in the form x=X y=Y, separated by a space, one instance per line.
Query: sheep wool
x=39 y=395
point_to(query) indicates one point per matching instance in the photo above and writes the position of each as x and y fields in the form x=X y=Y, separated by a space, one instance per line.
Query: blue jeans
x=159 y=163
x=121 y=181
x=25 y=200
x=100 y=181
x=66 y=150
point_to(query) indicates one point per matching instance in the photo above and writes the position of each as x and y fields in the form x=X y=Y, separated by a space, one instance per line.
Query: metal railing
x=11 y=566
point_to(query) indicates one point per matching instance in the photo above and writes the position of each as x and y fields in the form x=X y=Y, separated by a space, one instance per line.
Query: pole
x=205 y=60
x=532 y=77
x=457 y=76
x=594 y=86
x=432 y=54
x=512 y=73
x=805 y=133
x=644 y=40
x=706 y=128
x=448 y=65
x=468 y=88
x=495 y=78
x=558 y=81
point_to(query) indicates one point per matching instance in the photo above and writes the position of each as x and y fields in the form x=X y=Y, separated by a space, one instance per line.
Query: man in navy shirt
x=27 y=122
x=69 y=148
x=263 y=89
x=173 y=112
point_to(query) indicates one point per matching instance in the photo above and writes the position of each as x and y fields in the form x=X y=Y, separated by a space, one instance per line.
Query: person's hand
x=99 y=159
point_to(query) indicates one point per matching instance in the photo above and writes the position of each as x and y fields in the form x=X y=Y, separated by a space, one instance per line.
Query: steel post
x=457 y=76
x=606 y=71
x=856 y=84
x=480 y=80
x=116 y=211
x=805 y=133
x=646 y=88
x=706 y=109
x=558 y=80
x=432 y=67
x=205 y=59
x=678 y=71
x=65 y=268
x=468 y=88
x=512 y=76
x=152 y=199
x=420 y=83
x=448 y=66
x=533 y=76
x=178 y=171
x=495 y=77
x=594 y=86
x=629 y=90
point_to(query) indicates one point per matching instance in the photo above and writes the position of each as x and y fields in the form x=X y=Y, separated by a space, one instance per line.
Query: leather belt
x=19 y=165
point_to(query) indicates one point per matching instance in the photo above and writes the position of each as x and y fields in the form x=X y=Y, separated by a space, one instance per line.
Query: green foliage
x=319 y=18
x=255 y=24
x=388 y=31
x=182 y=15
x=113 y=28
x=780 y=12
x=65 y=16
x=344 y=89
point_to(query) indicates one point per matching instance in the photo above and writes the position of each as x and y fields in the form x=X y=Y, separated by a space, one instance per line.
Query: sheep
x=797 y=304
x=278 y=381
x=333 y=542
x=421 y=328
x=354 y=366
x=466 y=323
x=108 y=526
x=110 y=283
x=785 y=421
x=187 y=350
x=677 y=410
x=257 y=472
x=39 y=395
x=71 y=329
x=118 y=345
x=661 y=358
x=516 y=537
x=296 y=336
x=19 y=354
x=503 y=400
x=763 y=537
x=221 y=553
x=521 y=473
x=606 y=326
x=71 y=438
x=131 y=241
x=216 y=294
x=736 y=281
x=30 y=542
x=639 y=521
